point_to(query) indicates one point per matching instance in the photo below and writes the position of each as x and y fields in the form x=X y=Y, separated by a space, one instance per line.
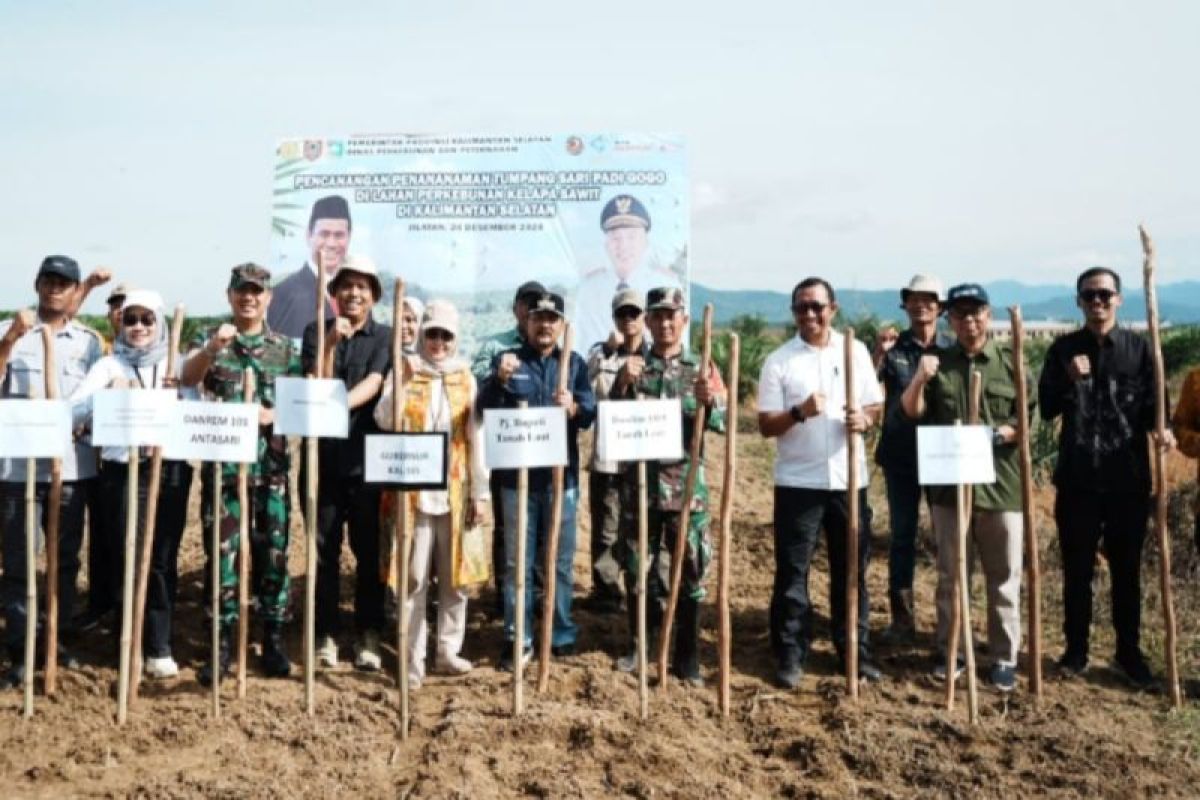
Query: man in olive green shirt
x=938 y=395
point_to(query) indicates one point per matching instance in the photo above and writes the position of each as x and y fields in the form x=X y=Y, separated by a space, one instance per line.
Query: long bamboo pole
x=643 y=564
x=725 y=554
x=310 y=505
x=130 y=565
x=685 y=511
x=400 y=532
x=1160 y=464
x=852 y=523
x=150 y=522
x=214 y=576
x=964 y=579
x=31 y=608
x=519 y=612
x=1032 y=563
x=556 y=508
x=961 y=508
x=53 y=519
x=243 y=632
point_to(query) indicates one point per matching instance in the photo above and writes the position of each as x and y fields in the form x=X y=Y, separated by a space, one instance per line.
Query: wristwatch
x=795 y=413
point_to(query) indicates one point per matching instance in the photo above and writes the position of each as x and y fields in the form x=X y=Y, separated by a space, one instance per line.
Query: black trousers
x=800 y=514
x=169 y=523
x=100 y=591
x=348 y=502
x=1085 y=518
x=70 y=540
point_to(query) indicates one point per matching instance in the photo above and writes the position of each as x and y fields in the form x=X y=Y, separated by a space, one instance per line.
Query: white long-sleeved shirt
x=102 y=375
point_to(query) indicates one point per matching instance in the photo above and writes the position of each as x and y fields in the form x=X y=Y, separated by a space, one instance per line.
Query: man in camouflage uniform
x=670 y=370
x=217 y=361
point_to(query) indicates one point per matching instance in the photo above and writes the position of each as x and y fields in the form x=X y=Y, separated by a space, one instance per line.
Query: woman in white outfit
x=139 y=360
x=439 y=395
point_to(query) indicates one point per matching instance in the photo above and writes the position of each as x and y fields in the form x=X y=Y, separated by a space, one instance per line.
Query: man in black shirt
x=358 y=352
x=896 y=360
x=1101 y=380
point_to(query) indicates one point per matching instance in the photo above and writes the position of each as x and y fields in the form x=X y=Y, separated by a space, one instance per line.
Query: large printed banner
x=470 y=218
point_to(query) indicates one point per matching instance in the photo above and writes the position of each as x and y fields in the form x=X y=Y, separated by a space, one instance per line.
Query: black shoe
x=205 y=674
x=67 y=659
x=563 y=650
x=1135 y=670
x=1072 y=664
x=14 y=678
x=867 y=671
x=506 y=657
x=601 y=604
x=789 y=676
x=93 y=619
x=685 y=661
x=275 y=663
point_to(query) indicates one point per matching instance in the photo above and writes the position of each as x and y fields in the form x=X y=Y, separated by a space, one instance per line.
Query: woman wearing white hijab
x=139 y=360
x=440 y=396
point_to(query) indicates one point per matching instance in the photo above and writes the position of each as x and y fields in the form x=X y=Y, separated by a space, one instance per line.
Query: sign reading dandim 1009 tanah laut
x=468 y=218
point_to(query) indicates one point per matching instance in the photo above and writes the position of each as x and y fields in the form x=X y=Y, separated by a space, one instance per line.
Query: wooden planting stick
x=131 y=519
x=643 y=562
x=685 y=511
x=725 y=554
x=1032 y=565
x=215 y=577
x=551 y=569
x=53 y=517
x=149 y=523
x=852 y=527
x=519 y=611
x=1160 y=465
x=244 y=551
x=400 y=532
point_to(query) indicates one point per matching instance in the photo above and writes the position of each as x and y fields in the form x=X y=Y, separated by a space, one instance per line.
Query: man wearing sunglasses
x=1100 y=380
x=938 y=395
x=802 y=402
x=358 y=352
x=22 y=359
x=626 y=342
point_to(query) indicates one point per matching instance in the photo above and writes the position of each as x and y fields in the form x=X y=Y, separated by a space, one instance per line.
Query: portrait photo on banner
x=469 y=218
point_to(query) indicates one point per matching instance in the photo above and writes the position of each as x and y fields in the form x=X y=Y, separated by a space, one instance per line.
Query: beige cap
x=924 y=284
x=440 y=314
x=361 y=265
x=628 y=297
x=118 y=292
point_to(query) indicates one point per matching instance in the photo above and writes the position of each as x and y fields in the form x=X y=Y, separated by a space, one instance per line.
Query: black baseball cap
x=529 y=287
x=547 y=301
x=62 y=266
x=967 y=293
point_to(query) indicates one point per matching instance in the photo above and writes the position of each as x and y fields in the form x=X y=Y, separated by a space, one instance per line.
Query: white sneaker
x=367 y=656
x=454 y=665
x=161 y=668
x=414 y=681
x=327 y=652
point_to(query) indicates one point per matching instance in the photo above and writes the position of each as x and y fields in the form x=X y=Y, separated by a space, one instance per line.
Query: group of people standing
x=1099 y=380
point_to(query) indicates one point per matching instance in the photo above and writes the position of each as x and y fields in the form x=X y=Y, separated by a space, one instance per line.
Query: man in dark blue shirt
x=529 y=373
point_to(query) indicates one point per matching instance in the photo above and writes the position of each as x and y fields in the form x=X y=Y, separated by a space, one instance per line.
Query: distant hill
x=1179 y=303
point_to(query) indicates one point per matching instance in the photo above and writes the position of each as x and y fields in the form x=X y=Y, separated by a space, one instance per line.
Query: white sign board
x=525 y=437
x=207 y=431
x=132 y=417
x=639 y=430
x=310 y=407
x=406 y=460
x=35 y=428
x=948 y=455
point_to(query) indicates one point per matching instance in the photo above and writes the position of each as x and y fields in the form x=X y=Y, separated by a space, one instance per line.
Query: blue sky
x=860 y=141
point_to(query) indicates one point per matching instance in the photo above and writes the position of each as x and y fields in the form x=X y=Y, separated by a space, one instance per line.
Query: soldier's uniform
x=671 y=377
x=269 y=355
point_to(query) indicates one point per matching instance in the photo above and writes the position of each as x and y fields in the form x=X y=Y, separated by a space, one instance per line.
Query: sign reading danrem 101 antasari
x=469 y=218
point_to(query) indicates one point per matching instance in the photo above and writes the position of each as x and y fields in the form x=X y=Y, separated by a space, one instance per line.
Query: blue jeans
x=538 y=509
x=904 y=500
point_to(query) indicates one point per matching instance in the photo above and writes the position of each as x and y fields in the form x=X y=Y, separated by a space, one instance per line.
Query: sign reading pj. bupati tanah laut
x=639 y=430
x=468 y=218
x=208 y=431
x=525 y=437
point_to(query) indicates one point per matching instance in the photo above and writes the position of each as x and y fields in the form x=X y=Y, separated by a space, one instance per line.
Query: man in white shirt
x=802 y=401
